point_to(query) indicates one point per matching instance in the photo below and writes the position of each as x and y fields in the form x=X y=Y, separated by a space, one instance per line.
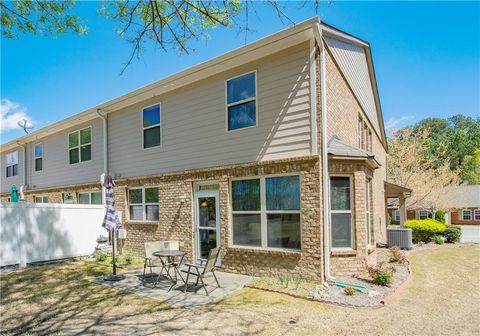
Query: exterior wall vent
x=400 y=237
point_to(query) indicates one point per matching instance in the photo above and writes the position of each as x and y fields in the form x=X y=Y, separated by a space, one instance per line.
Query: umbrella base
x=112 y=277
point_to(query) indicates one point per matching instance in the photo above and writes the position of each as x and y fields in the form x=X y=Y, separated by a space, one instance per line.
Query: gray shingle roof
x=464 y=196
x=339 y=148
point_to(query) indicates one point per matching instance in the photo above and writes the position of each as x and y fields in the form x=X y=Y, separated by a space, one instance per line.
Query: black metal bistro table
x=171 y=263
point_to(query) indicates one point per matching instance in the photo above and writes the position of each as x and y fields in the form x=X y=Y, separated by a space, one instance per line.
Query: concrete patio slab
x=229 y=283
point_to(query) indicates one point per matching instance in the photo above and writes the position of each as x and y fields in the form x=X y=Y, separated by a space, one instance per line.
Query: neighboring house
x=461 y=204
x=276 y=151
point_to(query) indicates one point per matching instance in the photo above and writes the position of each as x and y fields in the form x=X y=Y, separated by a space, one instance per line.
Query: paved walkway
x=229 y=283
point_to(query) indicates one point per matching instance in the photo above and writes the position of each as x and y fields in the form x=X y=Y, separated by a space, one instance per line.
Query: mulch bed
x=332 y=294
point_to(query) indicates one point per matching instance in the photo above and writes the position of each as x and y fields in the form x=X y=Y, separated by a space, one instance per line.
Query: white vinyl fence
x=32 y=232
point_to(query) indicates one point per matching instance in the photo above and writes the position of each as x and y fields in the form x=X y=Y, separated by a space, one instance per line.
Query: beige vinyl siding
x=193 y=120
x=56 y=168
x=7 y=183
x=353 y=63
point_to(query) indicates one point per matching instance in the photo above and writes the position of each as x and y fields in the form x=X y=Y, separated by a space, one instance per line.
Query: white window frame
x=35 y=157
x=360 y=131
x=423 y=211
x=143 y=204
x=263 y=212
x=368 y=212
x=227 y=105
x=396 y=215
x=12 y=167
x=79 y=146
x=151 y=126
x=89 y=196
x=43 y=197
x=463 y=214
x=476 y=214
x=351 y=212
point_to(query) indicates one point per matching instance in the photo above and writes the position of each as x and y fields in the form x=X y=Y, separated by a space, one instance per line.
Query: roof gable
x=353 y=63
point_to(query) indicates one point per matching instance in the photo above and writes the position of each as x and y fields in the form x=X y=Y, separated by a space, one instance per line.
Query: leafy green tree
x=169 y=24
x=38 y=17
x=471 y=168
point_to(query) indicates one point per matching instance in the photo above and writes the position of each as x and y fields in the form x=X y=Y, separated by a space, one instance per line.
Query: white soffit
x=352 y=61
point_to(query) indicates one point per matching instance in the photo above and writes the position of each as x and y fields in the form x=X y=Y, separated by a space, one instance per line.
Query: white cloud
x=11 y=113
x=394 y=124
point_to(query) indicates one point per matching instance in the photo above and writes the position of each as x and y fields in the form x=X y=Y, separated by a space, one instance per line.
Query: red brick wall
x=456 y=217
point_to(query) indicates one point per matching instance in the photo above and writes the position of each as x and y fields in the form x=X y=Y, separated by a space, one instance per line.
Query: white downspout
x=24 y=184
x=105 y=152
x=325 y=175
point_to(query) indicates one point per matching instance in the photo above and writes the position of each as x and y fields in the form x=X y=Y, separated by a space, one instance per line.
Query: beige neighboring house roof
x=457 y=197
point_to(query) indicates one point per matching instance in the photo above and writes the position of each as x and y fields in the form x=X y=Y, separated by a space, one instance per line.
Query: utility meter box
x=122 y=233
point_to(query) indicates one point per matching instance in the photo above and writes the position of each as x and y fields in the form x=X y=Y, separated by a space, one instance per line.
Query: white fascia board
x=255 y=50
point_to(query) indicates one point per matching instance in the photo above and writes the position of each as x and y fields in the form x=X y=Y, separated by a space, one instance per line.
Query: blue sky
x=426 y=58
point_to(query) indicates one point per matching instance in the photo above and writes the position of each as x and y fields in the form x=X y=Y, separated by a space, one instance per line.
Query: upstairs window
x=242 y=102
x=80 y=145
x=151 y=119
x=38 y=152
x=11 y=164
x=360 y=132
x=90 y=197
x=477 y=214
x=466 y=215
x=143 y=204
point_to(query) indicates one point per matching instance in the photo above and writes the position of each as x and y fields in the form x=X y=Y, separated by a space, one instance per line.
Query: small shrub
x=397 y=256
x=100 y=256
x=438 y=240
x=128 y=260
x=284 y=280
x=452 y=234
x=383 y=277
x=350 y=291
x=440 y=216
x=423 y=230
x=298 y=281
x=380 y=275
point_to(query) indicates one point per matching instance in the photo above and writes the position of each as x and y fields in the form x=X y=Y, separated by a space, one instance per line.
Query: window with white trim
x=368 y=212
x=396 y=215
x=143 y=204
x=38 y=156
x=80 y=145
x=266 y=212
x=341 y=212
x=476 y=214
x=151 y=123
x=466 y=214
x=360 y=132
x=11 y=164
x=423 y=214
x=41 y=199
x=241 y=101
x=92 y=197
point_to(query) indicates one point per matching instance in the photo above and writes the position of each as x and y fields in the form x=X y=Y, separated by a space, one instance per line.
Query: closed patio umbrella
x=111 y=223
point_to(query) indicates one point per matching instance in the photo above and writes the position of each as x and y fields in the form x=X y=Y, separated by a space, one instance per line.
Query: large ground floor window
x=341 y=212
x=266 y=212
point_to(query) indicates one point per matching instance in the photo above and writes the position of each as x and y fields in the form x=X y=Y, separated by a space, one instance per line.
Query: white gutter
x=325 y=175
x=105 y=142
x=105 y=153
x=24 y=184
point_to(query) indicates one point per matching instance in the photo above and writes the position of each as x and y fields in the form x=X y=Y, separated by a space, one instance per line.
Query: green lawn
x=444 y=299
